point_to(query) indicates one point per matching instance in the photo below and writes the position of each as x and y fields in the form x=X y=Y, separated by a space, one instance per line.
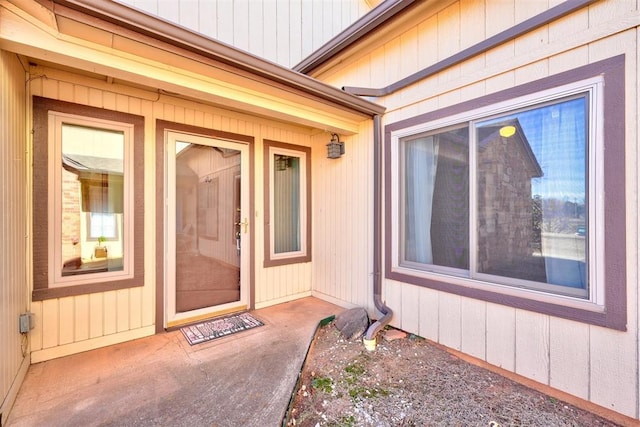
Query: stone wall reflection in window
x=531 y=195
x=92 y=198
x=525 y=222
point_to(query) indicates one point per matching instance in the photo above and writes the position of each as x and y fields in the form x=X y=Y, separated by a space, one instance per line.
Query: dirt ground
x=412 y=382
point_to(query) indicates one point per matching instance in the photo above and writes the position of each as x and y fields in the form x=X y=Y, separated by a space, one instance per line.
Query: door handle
x=245 y=223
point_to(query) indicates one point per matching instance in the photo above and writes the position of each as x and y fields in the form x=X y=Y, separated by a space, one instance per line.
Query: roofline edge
x=379 y=15
x=543 y=18
x=181 y=37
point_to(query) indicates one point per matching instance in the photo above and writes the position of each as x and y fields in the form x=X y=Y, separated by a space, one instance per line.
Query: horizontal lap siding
x=14 y=282
x=593 y=363
x=65 y=325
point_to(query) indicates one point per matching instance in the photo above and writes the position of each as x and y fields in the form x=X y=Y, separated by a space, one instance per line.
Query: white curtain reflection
x=421 y=160
x=563 y=158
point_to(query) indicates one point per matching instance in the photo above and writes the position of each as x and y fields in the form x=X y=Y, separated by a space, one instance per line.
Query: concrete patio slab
x=245 y=379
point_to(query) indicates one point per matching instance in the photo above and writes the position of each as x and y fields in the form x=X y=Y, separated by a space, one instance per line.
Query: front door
x=207 y=228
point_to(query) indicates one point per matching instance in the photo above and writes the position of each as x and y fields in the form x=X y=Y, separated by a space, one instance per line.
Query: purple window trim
x=614 y=315
x=268 y=261
x=41 y=198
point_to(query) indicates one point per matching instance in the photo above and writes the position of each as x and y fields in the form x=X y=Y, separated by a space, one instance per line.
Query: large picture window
x=505 y=202
x=287 y=231
x=88 y=204
x=530 y=226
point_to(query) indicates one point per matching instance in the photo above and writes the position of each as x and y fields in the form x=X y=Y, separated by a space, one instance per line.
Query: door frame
x=162 y=129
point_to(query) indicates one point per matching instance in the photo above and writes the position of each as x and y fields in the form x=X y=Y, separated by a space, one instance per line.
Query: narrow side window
x=287 y=180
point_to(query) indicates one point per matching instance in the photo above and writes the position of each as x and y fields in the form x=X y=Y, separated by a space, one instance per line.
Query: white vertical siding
x=287 y=282
x=500 y=336
x=615 y=355
x=14 y=282
x=71 y=324
x=569 y=344
x=632 y=161
x=343 y=221
x=474 y=328
x=532 y=345
x=284 y=32
x=449 y=320
x=428 y=313
x=594 y=363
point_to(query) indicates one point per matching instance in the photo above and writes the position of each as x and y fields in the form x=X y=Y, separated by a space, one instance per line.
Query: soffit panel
x=134 y=26
x=197 y=81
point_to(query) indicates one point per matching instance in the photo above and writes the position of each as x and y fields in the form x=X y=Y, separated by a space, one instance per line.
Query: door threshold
x=176 y=324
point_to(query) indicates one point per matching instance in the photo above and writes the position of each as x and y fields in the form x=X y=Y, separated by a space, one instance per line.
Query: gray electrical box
x=25 y=323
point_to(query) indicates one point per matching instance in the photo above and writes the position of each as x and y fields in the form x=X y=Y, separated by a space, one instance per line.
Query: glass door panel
x=207 y=232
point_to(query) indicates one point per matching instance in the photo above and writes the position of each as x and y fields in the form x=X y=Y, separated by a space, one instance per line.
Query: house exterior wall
x=594 y=363
x=78 y=323
x=343 y=221
x=121 y=73
x=282 y=32
x=14 y=224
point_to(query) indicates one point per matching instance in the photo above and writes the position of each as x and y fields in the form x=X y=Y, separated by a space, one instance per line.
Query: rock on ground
x=352 y=323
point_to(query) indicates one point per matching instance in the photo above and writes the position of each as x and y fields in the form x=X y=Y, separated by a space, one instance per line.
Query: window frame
x=46 y=284
x=271 y=259
x=591 y=90
x=605 y=307
x=56 y=121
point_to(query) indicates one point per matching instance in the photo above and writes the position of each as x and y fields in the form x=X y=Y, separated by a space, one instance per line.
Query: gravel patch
x=412 y=382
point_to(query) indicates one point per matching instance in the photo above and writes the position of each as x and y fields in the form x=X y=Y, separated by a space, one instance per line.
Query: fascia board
x=23 y=37
x=125 y=17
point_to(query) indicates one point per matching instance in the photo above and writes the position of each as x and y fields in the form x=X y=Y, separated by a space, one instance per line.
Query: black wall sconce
x=335 y=148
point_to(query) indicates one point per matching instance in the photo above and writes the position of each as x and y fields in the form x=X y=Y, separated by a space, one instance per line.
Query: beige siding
x=286 y=282
x=632 y=164
x=14 y=282
x=343 y=220
x=569 y=344
x=284 y=32
x=72 y=324
x=594 y=363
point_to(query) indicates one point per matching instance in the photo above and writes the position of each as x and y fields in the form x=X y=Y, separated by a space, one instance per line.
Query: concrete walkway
x=242 y=380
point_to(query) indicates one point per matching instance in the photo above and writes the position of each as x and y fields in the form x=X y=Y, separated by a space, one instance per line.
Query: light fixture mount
x=335 y=148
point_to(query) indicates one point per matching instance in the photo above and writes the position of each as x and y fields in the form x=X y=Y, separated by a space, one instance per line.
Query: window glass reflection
x=436 y=198
x=531 y=194
x=92 y=200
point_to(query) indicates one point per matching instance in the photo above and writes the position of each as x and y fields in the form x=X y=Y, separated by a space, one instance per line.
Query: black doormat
x=218 y=328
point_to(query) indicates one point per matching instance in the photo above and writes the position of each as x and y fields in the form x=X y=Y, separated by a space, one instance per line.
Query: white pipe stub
x=369 y=344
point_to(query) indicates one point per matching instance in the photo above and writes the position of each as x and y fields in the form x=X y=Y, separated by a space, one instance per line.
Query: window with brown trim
x=287 y=171
x=517 y=197
x=88 y=201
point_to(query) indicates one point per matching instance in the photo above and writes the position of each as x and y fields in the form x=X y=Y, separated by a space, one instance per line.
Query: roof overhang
x=366 y=25
x=122 y=44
